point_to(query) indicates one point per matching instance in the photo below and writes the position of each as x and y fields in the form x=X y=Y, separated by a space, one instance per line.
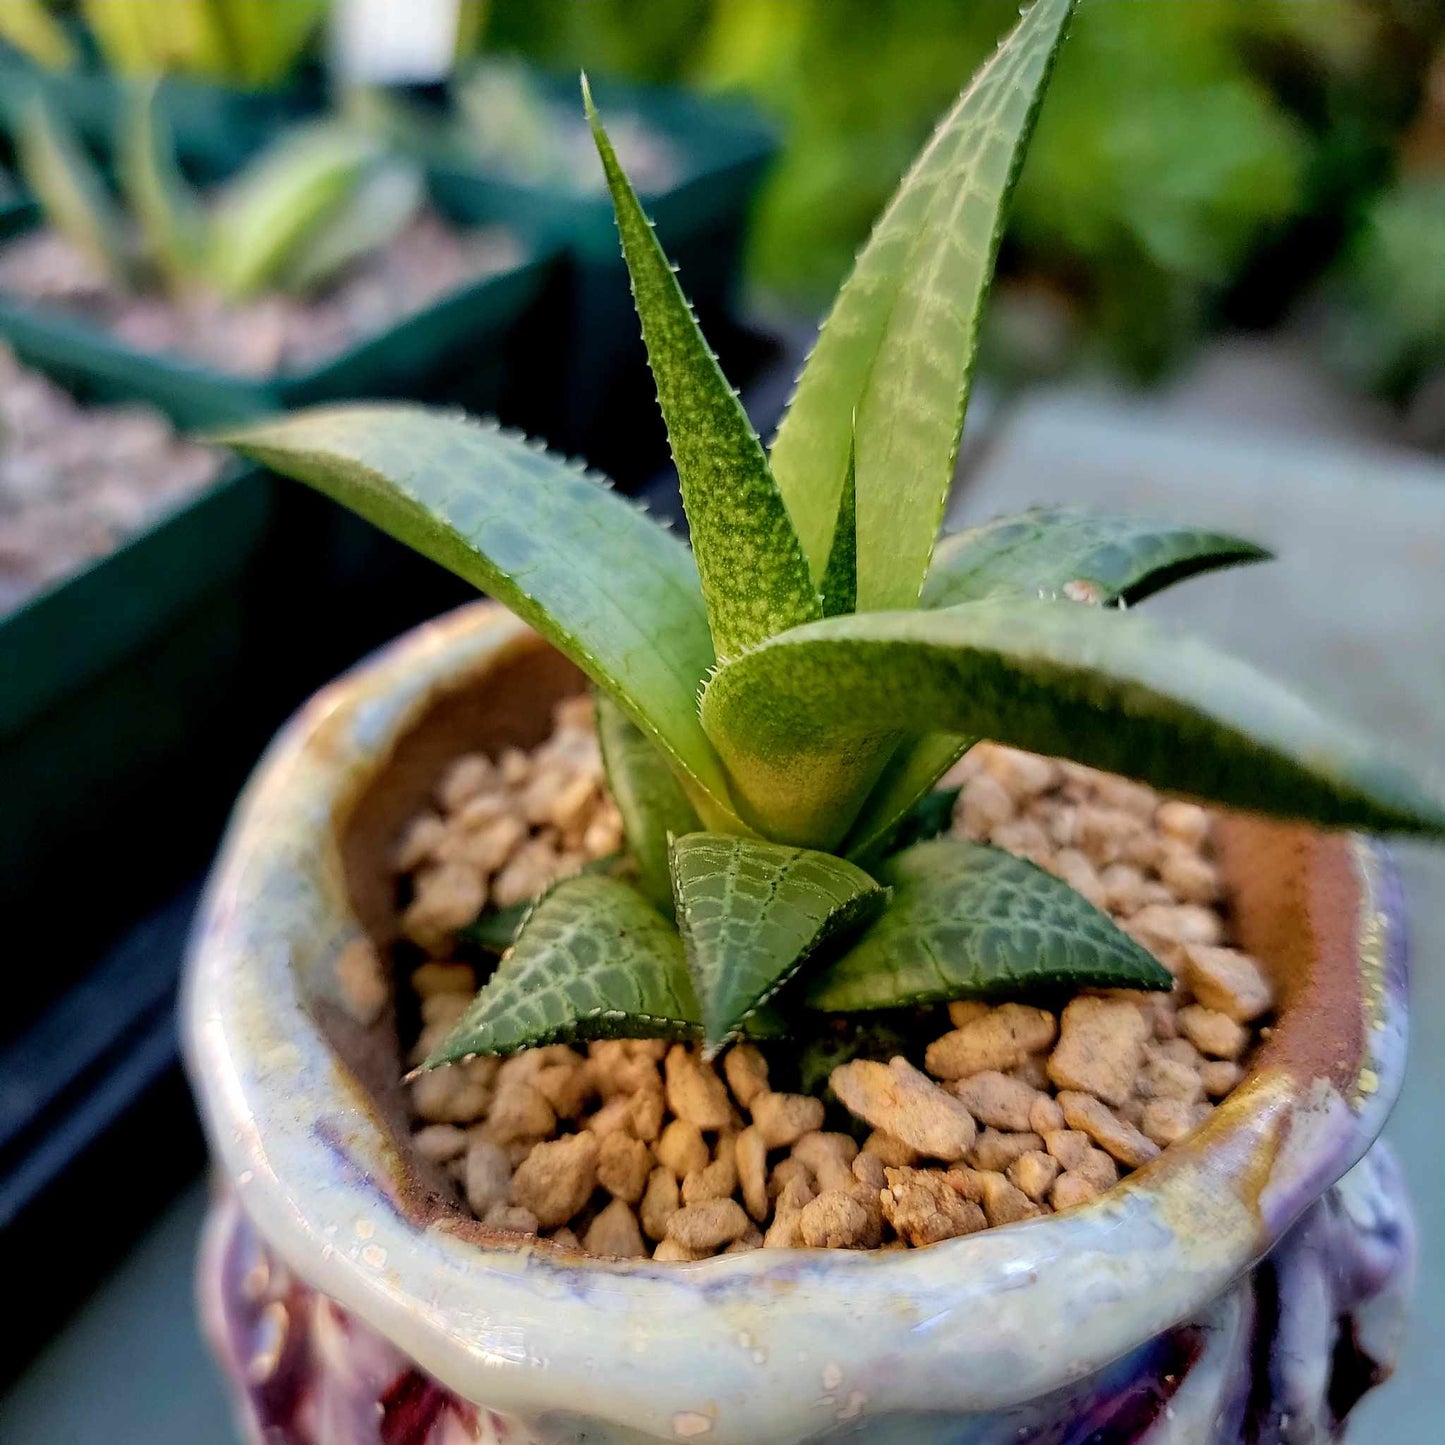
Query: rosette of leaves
x=318 y=199
x=778 y=700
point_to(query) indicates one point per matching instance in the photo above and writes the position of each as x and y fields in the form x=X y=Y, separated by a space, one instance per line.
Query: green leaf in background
x=896 y=352
x=71 y=191
x=173 y=224
x=968 y=921
x=603 y=582
x=268 y=37
x=378 y=209
x=803 y=717
x=1059 y=553
x=29 y=26
x=755 y=577
x=840 y=577
x=653 y=805
x=268 y=212
x=593 y=960
x=752 y=914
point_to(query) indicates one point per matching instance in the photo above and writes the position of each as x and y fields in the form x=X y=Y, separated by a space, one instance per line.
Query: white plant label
x=394 y=42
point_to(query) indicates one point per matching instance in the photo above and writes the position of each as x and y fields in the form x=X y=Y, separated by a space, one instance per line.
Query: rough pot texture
x=350 y=1302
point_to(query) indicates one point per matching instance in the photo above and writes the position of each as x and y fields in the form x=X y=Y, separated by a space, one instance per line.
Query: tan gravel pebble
x=836 y=1219
x=488 y=1176
x=997 y=1100
x=715 y=1180
x=923 y=1208
x=709 y=1225
x=694 y=1091
x=747 y=1073
x=660 y=1201
x=1000 y=1039
x=996 y=1150
x=614 y=1232
x=624 y=1166
x=1219 y=1076
x=440 y=1143
x=557 y=1178
x=897 y=1098
x=1101 y=1044
x=1228 y=981
x=829 y=1158
x=783 y=1119
x=1213 y=1033
x=683 y=1149
x=750 y=1155
x=1112 y=1134
x=1034 y=1173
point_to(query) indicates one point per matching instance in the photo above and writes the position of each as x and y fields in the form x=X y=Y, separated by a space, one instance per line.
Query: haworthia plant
x=778 y=702
x=318 y=199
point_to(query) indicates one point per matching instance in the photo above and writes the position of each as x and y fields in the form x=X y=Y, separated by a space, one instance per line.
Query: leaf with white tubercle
x=599 y=579
x=753 y=914
x=969 y=921
x=1060 y=553
x=895 y=355
x=806 y=717
x=755 y=578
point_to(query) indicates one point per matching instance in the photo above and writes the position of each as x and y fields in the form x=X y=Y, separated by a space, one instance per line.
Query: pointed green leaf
x=1059 y=553
x=608 y=586
x=967 y=921
x=754 y=575
x=802 y=721
x=897 y=350
x=1050 y=554
x=172 y=222
x=593 y=960
x=840 y=578
x=69 y=187
x=753 y=913
x=929 y=817
x=653 y=805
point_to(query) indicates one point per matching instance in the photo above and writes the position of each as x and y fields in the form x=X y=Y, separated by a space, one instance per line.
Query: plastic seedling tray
x=126 y=714
x=722 y=151
x=205 y=117
x=458 y=347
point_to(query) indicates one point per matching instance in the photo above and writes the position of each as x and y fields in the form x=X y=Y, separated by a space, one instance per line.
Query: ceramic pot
x=1246 y=1285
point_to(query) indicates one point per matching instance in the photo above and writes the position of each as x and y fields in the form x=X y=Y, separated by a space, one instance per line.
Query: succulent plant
x=778 y=701
x=320 y=197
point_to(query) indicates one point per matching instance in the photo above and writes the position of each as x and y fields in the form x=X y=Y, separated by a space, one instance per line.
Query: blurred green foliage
x=1195 y=156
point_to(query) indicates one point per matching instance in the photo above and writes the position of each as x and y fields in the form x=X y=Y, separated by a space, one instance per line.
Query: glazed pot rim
x=760 y=1345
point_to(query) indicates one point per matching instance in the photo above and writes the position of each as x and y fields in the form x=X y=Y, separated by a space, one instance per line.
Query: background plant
x=779 y=699
x=320 y=197
x=246 y=43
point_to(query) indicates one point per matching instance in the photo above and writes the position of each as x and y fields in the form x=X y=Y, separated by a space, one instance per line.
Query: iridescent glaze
x=1066 y=1328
